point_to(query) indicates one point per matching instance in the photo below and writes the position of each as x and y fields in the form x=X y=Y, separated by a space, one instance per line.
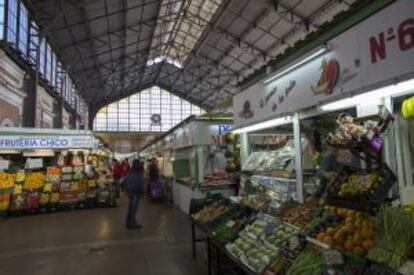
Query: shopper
x=154 y=172
x=125 y=168
x=116 y=170
x=134 y=187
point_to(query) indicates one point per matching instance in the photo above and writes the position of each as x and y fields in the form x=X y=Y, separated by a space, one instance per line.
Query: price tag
x=34 y=163
x=230 y=223
x=407 y=268
x=4 y=164
x=294 y=243
x=333 y=257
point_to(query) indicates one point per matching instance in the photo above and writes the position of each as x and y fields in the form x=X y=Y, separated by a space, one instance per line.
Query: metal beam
x=113 y=32
x=95 y=18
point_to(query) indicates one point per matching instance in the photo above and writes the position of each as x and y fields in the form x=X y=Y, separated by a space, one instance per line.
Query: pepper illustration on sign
x=328 y=78
x=246 y=112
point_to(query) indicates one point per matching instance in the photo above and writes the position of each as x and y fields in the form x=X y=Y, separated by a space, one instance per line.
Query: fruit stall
x=204 y=158
x=59 y=170
x=337 y=128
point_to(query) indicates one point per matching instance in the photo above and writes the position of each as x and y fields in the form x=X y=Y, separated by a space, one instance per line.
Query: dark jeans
x=132 y=210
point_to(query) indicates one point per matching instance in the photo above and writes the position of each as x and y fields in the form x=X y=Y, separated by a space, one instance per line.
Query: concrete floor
x=94 y=241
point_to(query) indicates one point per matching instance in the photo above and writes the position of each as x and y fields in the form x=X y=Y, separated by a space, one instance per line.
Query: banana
x=320 y=89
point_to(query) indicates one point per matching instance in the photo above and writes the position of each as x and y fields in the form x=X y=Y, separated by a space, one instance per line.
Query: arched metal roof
x=197 y=49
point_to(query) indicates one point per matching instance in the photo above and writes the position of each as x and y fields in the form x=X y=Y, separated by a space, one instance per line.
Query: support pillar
x=72 y=120
x=298 y=156
x=58 y=111
x=29 y=105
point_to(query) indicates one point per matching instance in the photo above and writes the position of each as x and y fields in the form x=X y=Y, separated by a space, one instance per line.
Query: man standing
x=134 y=187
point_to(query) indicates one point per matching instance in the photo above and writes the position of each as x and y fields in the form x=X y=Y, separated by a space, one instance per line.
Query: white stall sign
x=46 y=142
x=371 y=54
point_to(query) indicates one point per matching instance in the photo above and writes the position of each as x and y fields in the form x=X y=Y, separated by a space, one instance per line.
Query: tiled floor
x=95 y=241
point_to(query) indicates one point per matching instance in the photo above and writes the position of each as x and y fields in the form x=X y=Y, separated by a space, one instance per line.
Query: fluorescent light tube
x=264 y=125
x=297 y=64
x=369 y=97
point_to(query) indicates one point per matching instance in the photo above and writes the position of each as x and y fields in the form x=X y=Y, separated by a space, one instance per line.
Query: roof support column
x=58 y=111
x=29 y=104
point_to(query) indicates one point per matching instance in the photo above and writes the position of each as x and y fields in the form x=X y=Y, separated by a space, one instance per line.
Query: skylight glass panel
x=180 y=25
x=136 y=112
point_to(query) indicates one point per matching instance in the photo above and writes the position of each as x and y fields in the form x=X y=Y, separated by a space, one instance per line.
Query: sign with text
x=46 y=142
x=34 y=163
x=376 y=51
x=198 y=133
x=4 y=164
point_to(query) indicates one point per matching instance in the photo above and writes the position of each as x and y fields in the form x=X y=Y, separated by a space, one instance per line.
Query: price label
x=407 y=268
x=333 y=257
x=4 y=164
x=294 y=243
x=230 y=223
x=34 y=163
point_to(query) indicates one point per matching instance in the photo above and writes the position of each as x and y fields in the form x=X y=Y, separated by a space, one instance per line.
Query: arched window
x=152 y=110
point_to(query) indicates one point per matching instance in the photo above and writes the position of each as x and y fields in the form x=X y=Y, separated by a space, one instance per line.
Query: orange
x=350 y=228
x=330 y=231
x=357 y=237
x=359 y=251
x=350 y=213
x=349 y=220
x=366 y=223
x=367 y=233
x=328 y=240
x=359 y=215
x=358 y=223
x=321 y=236
x=368 y=244
x=349 y=245
x=339 y=237
x=339 y=211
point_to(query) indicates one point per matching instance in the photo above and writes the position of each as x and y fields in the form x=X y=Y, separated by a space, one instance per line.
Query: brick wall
x=10 y=112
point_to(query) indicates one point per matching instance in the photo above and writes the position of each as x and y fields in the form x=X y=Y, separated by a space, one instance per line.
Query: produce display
x=41 y=190
x=258 y=227
x=298 y=215
x=217 y=179
x=358 y=184
x=347 y=131
x=35 y=180
x=352 y=132
x=281 y=235
x=308 y=262
x=394 y=237
x=210 y=212
x=241 y=245
x=347 y=230
x=53 y=174
x=270 y=160
x=7 y=180
x=259 y=257
x=229 y=231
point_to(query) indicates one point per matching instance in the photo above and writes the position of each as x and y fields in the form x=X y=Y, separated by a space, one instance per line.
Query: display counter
x=50 y=171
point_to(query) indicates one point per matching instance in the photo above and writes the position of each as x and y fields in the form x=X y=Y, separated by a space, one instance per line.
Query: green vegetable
x=308 y=262
x=394 y=238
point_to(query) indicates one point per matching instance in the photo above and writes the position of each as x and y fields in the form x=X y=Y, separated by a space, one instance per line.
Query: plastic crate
x=367 y=202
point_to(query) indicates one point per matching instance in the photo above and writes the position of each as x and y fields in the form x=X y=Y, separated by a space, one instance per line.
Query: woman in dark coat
x=134 y=187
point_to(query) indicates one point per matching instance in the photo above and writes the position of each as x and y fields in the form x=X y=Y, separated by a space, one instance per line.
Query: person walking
x=154 y=171
x=134 y=187
x=117 y=175
x=125 y=168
